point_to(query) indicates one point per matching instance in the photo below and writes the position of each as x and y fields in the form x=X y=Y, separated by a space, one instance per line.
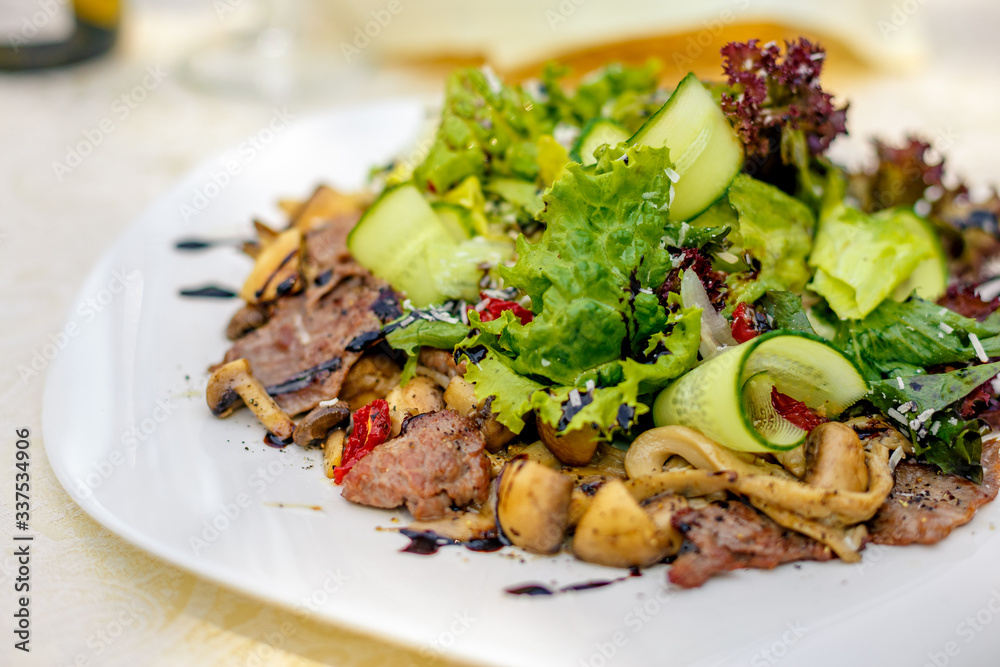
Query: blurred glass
x=36 y=34
x=289 y=51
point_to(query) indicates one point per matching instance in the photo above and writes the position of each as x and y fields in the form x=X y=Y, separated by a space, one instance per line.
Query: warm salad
x=639 y=323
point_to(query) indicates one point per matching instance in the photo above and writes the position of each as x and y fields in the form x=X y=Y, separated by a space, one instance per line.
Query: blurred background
x=105 y=103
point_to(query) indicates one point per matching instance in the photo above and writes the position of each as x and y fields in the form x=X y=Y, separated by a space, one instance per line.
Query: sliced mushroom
x=324 y=204
x=462 y=526
x=533 y=505
x=420 y=396
x=251 y=316
x=835 y=458
x=333 y=451
x=320 y=421
x=276 y=271
x=575 y=448
x=617 y=532
x=877 y=431
x=236 y=380
x=794 y=460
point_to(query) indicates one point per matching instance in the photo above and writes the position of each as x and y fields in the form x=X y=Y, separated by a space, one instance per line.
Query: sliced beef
x=731 y=536
x=303 y=352
x=327 y=259
x=438 y=461
x=925 y=506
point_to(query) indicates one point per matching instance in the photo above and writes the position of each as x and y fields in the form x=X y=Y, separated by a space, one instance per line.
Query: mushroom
x=536 y=452
x=236 y=380
x=371 y=377
x=533 y=505
x=320 y=421
x=333 y=450
x=420 y=396
x=246 y=319
x=462 y=526
x=835 y=458
x=617 y=532
x=574 y=448
x=460 y=396
x=276 y=269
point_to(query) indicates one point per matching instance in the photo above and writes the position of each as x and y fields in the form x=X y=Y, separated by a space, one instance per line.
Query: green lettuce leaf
x=594 y=269
x=493 y=376
x=861 y=259
x=598 y=327
x=622 y=93
x=896 y=337
x=776 y=230
x=785 y=309
x=925 y=408
x=487 y=127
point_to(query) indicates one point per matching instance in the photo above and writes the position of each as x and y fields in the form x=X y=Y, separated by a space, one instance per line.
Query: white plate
x=142 y=344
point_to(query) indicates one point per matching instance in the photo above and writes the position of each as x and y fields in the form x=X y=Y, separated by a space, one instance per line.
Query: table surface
x=97 y=600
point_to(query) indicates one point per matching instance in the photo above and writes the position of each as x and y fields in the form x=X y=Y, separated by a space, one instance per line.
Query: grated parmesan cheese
x=945 y=328
x=978 y=347
x=897 y=456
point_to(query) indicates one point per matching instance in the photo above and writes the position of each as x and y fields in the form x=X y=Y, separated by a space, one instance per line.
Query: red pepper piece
x=492 y=309
x=744 y=325
x=371 y=428
x=794 y=411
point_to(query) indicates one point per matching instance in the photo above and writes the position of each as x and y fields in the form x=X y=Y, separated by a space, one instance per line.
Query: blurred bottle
x=35 y=34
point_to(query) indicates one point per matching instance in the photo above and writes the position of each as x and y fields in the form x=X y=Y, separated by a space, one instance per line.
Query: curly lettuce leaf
x=511 y=392
x=598 y=325
x=608 y=396
x=926 y=410
x=591 y=276
x=622 y=93
x=487 y=127
x=896 y=337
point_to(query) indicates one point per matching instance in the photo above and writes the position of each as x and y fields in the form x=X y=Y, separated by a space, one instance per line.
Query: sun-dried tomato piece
x=371 y=428
x=794 y=411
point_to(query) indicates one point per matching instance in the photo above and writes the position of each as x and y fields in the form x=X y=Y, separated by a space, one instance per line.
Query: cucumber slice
x=457 y=219
x=724 y=396
x=704 y=148
x=394 y=239
x=596 y=133
x=406 y=241
x=930 y=279
x=765 y=419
